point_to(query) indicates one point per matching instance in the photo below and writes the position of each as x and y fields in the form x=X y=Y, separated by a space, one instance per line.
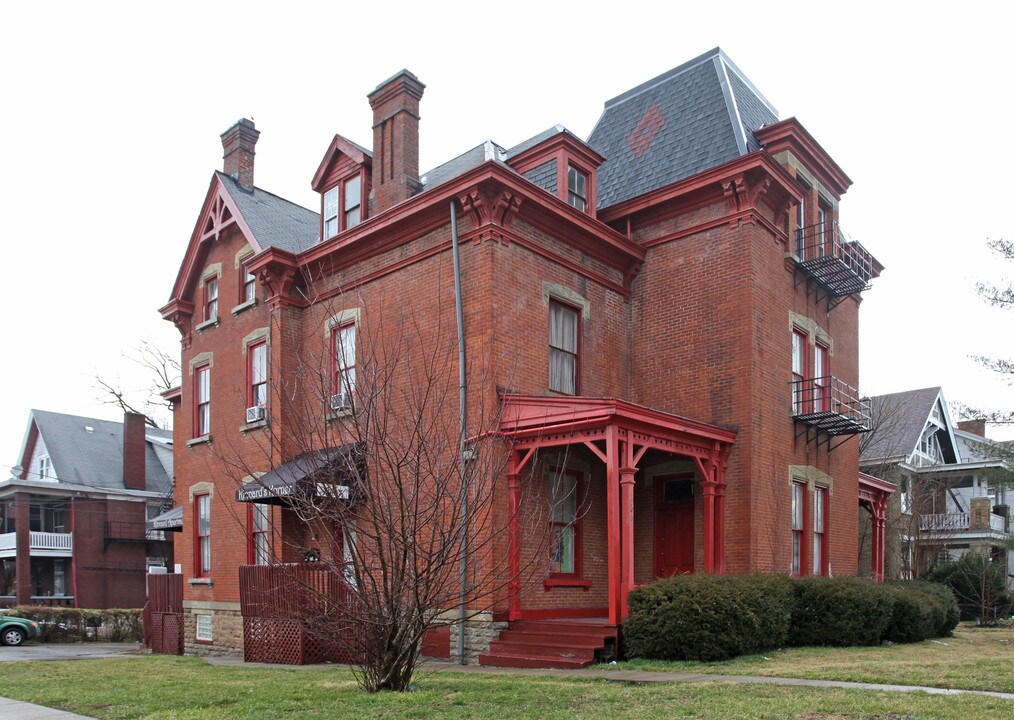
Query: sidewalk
x=17 y=710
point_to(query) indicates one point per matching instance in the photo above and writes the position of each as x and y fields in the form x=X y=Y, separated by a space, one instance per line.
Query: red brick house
x=675 y=295
x=73 y=515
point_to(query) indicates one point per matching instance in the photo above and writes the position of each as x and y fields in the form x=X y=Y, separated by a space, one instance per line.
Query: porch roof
x=542 y=421
x=873 y=489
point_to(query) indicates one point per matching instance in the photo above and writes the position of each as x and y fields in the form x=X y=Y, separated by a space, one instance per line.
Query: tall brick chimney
x=395 y=105
x=134 y=451
x=976 y=427
x=238 y=144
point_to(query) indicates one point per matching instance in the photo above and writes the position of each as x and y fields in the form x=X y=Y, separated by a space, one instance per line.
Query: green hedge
x=708 y=618
x=62 y=624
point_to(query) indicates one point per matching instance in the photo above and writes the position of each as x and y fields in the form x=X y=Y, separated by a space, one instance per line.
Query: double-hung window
x=799 y=344
x=248 y=286
x=211 y=299
x=259 y=546
x=820 y=559
x=202 y=400
x=202 y=535
x=563 y=348
x=821 y=379
x=343 y=206
x=565 y=538
x=343 y=348
x=257 y=394
x=798 y=526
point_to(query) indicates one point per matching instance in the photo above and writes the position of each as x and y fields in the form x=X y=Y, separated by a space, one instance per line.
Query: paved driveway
x=67 y=651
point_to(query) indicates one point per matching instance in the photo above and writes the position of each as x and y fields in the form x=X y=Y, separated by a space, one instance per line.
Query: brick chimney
x=238 y=144
x=134 y=451
x=976 y=427
x=395 y=105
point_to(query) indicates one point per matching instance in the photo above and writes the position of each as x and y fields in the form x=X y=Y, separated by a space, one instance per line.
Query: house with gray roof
x=73 y=513
x=952 y=482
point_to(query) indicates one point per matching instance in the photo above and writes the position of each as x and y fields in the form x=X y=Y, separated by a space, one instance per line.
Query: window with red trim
x=202 y=400
x=577 y=188
x=821 y=379
x=820 y=560
x=202 y=535
x=564 y=364
x=342 y=206
x=248 y=285
x=259 y=540
x=565 y=523
x=798 y=527
x=257 y=372
x=799 y=343
x=211 y=299
x=343 y=350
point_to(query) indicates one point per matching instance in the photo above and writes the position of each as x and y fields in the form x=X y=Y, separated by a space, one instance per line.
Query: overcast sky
x=111 y=115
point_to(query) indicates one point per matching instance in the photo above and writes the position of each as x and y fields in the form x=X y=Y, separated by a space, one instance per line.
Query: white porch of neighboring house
x=43 y=553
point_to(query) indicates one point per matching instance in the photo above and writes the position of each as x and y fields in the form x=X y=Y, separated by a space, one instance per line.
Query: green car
x=15 y=630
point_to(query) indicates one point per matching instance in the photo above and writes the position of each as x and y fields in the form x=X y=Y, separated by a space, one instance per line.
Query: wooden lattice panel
x=163 y=632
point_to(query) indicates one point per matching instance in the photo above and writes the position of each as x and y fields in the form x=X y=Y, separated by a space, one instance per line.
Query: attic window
x=577 y=188
x=343 y=206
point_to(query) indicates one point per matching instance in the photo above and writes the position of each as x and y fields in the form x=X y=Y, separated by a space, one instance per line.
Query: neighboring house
x=72 y=516
x=951 y=482
x=674 y=300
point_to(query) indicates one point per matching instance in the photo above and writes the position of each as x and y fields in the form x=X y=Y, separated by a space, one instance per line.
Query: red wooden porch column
x=879 y=522
x=514 y=541
x=627 y=513
x=23 y=537
x=708 y=486
x=720 y=522
x=613 y=525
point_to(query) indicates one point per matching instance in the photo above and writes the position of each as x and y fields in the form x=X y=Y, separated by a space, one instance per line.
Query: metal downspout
x=462 y=418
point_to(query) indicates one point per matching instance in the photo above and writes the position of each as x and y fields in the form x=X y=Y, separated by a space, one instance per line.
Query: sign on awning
x=171 y=520
x=325 y=473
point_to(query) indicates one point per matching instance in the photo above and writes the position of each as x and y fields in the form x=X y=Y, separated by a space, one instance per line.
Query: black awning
x=329 y=472
x=171 y=520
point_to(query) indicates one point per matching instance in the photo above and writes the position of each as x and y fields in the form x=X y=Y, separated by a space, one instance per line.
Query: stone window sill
x=244 y=306
x=201 y=327
x=202 y=440
x=201 y=581
x=253 y=426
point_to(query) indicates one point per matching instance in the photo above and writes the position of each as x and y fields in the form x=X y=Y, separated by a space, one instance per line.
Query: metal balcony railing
x=842 y=266
x=830 y=405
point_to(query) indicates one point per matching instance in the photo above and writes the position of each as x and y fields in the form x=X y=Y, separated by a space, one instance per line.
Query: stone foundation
x=480 y=631
x=226 y=629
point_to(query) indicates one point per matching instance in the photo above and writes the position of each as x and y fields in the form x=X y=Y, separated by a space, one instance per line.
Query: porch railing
x=48 y=542
x=958 y=522
x=43 y=600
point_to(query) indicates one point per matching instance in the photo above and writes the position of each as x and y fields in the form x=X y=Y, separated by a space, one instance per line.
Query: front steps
x=566 y=644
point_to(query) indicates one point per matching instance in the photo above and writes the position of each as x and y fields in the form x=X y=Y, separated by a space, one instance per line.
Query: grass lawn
x=183 y=688
x=974 y=659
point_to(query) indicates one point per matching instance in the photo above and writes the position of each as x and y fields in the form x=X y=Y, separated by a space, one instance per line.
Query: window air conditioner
x=253 y=414
x=340 y=402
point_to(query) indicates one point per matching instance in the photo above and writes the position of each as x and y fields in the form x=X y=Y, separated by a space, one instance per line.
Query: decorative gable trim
x=339 y=146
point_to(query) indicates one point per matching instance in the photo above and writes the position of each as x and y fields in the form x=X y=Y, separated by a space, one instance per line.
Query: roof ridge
x=664 y=77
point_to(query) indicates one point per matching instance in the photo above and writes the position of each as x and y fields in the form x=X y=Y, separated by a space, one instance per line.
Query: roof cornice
x=524 y=161
x=789 y=134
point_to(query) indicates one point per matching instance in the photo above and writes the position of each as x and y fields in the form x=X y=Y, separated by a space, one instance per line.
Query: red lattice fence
x=297 y=614
x=162 y=616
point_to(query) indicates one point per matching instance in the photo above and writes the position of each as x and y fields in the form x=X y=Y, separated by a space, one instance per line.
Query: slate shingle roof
x=274 y=221
x=705 y=113
x=95 y=458
x=898 y=419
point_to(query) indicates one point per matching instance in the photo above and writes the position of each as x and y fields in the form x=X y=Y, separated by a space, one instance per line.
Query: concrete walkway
x=17 y=710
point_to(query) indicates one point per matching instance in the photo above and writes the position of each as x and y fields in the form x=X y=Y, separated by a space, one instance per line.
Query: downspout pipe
x=463 y=422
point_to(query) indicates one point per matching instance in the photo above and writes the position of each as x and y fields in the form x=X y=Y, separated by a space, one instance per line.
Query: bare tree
x=163 y=371
x=409 y=527
x=1001 y=296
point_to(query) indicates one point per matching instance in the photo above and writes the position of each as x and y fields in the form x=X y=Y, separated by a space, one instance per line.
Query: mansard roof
x=88 y=452
x=692 y=118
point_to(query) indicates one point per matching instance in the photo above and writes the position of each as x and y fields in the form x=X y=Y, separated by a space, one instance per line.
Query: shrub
x=62 y=624
x=979 y=584
x=913 y=618
x=946 y=613
x=707 y=618
x=839 y=611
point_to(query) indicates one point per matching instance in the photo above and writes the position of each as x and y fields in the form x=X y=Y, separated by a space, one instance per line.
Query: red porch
x=626 y=438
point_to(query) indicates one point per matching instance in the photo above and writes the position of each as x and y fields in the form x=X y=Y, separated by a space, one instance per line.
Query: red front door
x=674 y=525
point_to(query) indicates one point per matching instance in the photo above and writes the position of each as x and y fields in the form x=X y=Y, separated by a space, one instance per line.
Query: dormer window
x=343 y=206
x=577 y=188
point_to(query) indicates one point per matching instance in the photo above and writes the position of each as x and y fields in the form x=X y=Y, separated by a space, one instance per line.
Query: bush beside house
x=709 y=618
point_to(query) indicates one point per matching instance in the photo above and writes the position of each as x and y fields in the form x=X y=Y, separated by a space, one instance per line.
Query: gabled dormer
x=343 y=180
x=562 y=165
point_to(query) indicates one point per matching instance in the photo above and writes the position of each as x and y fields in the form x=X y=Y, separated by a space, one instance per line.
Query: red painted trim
x=339 y=145
x=551 y=147
x=199 y=571
x=250 y=401
x=613 y=526
x=206 y=367
x=804 y=538
x=825 y=536
x=565 y=581
x=558 y=613
x=789 y=134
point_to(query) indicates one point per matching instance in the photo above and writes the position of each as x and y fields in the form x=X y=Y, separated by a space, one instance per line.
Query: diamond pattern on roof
x=646 y=130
